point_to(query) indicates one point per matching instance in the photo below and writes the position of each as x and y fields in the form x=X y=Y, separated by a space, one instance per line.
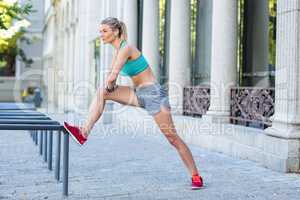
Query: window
x=164 y=37
x=256 y=42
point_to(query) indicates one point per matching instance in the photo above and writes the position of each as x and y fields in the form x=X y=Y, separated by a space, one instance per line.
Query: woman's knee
x=173 y=139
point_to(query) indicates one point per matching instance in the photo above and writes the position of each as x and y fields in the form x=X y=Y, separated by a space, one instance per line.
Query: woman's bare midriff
x=144 y=78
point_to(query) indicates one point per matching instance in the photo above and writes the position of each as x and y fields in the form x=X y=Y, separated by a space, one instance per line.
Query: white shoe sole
x=197 y=188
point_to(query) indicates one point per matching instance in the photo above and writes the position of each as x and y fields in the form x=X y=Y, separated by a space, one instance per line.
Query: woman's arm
x=118 y=61
x=113 y=61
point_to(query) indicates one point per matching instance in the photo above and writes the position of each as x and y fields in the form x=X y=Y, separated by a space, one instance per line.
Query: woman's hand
x=110 y=84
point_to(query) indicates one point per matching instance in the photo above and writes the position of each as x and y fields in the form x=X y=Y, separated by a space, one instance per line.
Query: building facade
x=228 y=60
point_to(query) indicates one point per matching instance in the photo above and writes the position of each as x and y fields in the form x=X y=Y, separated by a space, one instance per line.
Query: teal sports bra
x=133 y=67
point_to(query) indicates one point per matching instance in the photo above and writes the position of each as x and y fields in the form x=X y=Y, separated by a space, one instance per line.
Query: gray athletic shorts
x=152 y=97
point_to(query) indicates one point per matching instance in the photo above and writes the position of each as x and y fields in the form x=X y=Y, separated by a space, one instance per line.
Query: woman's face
x=107 y=35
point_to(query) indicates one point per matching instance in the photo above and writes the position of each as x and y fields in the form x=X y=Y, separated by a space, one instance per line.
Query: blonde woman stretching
x=147 y=93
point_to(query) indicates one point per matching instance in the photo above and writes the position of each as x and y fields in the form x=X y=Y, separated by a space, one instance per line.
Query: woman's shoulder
x=129 y=47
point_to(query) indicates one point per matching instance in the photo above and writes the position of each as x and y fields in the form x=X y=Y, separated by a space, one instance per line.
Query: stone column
x=102 y=49
x=76 y=45
x=120 y=13
x=180 y=53
x=63 y=72
x=120 y=5
x=130 y=19
x=82 y=73
x=109 y=50
x=223 y=57
x=151 y=34
x=286 y=119
x=70 y=70
x=130 y=14
x=72 y=67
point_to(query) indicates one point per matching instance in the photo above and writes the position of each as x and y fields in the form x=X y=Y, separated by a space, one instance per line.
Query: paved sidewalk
x=126 y=165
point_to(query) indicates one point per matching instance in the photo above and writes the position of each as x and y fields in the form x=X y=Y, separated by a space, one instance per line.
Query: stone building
x=223 y=73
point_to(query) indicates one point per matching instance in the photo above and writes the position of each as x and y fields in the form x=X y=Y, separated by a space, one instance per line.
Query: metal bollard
x=41 y=142
x=57 y=159
x=66 y=164
x=36 y=137
x=50 y=143
x=45 y=145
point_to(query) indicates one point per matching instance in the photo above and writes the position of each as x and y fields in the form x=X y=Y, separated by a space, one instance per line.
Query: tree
x=12 y=29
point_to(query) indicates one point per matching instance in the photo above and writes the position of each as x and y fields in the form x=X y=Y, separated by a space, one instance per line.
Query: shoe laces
x=196 y=178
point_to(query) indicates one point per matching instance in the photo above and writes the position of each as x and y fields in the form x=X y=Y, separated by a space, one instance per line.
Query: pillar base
x=276 y=153
x=284 y=130
x=176 y=111
x=217 y=117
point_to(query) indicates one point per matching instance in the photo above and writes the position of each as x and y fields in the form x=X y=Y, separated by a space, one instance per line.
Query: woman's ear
x=116 y=33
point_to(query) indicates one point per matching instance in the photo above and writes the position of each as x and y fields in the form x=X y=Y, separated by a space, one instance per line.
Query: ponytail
x=123 y=31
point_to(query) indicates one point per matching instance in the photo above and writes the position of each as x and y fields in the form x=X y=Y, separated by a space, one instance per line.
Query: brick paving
x=125 y=165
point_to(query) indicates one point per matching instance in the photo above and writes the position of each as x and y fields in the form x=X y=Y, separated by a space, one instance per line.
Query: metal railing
x=252 y=106
x=196 y=100
x=249 y=106
x=17 y=116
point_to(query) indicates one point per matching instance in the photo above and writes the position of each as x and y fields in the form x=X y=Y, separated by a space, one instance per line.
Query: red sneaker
x=197 y=182
x=76 y=134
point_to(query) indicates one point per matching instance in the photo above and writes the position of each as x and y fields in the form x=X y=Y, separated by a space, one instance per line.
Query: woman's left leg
x=166 y=125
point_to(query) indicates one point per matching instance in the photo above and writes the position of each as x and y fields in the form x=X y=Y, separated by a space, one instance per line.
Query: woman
x=147 y=93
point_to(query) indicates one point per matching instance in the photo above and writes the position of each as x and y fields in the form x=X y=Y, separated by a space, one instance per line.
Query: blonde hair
x=116 y=24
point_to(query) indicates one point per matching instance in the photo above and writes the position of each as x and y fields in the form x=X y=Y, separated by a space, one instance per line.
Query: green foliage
x=162 y=20
x=12 y=29
x=241 y=4
x=12 y=11
x=272 y=32
x=193 y=5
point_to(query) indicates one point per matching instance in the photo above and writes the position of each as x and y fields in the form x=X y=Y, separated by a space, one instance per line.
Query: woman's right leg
x=122 y=94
